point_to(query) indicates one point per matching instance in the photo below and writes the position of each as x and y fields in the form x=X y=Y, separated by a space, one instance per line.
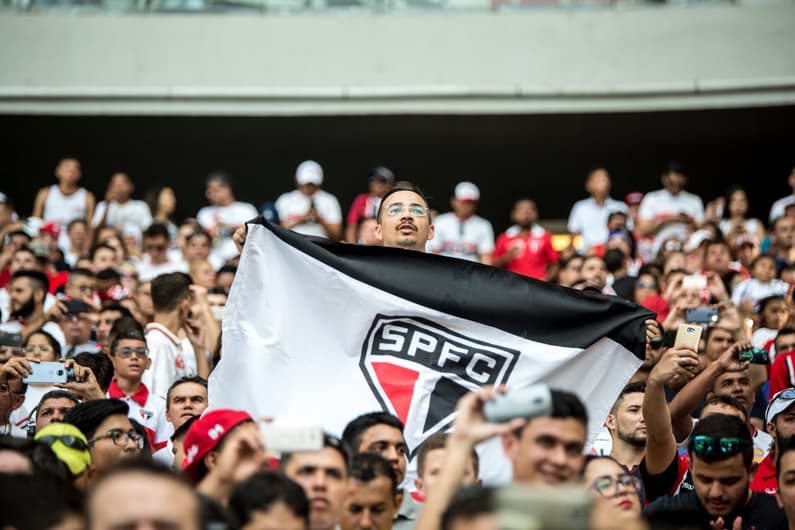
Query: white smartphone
x=688 y=336
x=694 y=281
x=47 y=372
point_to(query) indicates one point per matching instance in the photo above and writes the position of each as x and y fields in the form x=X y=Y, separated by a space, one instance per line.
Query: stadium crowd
x=129 y=302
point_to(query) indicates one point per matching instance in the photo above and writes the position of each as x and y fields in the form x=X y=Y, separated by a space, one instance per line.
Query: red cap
x=207 y=432
x=51 y=227
x=633 y=197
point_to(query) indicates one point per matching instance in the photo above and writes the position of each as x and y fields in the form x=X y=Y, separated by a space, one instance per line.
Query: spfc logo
x=418 y=370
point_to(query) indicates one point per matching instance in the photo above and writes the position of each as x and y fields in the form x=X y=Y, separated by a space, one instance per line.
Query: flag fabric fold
x=317 y=332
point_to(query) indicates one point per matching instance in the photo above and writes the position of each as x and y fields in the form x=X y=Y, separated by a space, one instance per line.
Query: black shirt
x=760 y=512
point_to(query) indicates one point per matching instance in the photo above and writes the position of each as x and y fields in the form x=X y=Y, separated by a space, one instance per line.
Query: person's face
x=524 y=214
x=77 y=328
x=323 y=476
x=23 y=260
x=674 y=182
x=186 y=400
x=367 y=232
x=549 y=450
x=104 y=258
x=204 y=275
x=10 y=397
x=218 y=193
x=719 y=341
x=434 y=463
x=784 y=231
x=594 y=271
x=785 y=495
x=68 y=171
x=104 y=451
x=23 y=300
x=608 y=483
x=137 y=500
x=105 y=323
x=197 y=247
x=388 y=442
x=617 y=221
x=785 y=343
x=308 y=189
x=464 y=209
x=775 y=315
x=52 y=410
x=143 y=296
x=720 y=486
x=737 y=385
x=571 y=272
x=717 y=258
x=598 y=183
x=403 y=228
x=79 y=287
x=645 y=286
x=627 y=422
x=782 y=428
x=379 y=187
x=131 y=367
x=167 y=201
x=369 y=505
x=738 y=204
x=156 y=247
x=278 y=516
x=764 y=270
x=39 y=348
x=78 y=234
x=121 y=187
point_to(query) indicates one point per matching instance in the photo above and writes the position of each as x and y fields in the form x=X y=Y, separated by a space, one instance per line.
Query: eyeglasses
x=607 y=486
x=72 y=442
x=120 y=438
x=396 y=208
x=126 y=353
x=714 y=446
x=646 y=285
x=41 y=347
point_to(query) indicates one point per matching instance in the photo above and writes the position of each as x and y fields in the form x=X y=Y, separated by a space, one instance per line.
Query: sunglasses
x=714 y=446
x=646 y=285
x=126 y=353
x=72 y=442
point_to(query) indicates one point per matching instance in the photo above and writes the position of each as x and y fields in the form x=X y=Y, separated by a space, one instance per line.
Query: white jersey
x=223 y=220
x=590 y=220
x=465 y=239
x=135 y=213
x=294 y=205
x=147 y=409
x=657 y=205
x=171 y=357
x=147 y=271
x=65 y=208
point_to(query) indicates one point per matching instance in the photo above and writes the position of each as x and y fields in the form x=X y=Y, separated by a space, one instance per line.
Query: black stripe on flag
x=528 y=308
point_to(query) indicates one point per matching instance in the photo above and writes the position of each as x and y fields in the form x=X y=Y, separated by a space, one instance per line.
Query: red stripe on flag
x=398 y=384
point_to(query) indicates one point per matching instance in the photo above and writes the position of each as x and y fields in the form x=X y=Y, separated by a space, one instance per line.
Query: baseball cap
x=207 y=432
x=51 y=227
x=780 y=402
x=309 y=172
x=466 y=191
x=633 y=197
x=68 y=444
x=696 y=239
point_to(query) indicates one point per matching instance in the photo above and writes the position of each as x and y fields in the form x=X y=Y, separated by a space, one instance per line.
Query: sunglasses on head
x=715 y=446
x=72 y=442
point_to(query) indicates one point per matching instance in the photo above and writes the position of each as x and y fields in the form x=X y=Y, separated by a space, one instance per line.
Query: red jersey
x=765 y=480
x=364 y=206
x=536 y=251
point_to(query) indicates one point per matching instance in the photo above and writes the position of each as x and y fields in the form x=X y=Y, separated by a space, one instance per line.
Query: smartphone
x=522 y=507
x=47 y=372
x=702 y=315
x=694 y=281
x=688 y=336
x=755 y=356
x=10 y=339
x=523 y=402
x=291 y=438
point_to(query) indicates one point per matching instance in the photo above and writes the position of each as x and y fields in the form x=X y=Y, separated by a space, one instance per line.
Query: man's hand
x=720 y=524
x=653 y=329
x=15 y=368
x=239 y=237
x=729 y=360
x=676 y=365
x=471 y=426
x=56 y=312
x=85 y=387
x=716 y=288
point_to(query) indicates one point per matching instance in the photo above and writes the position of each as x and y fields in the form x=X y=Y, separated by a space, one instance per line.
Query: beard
x=633 y=438
x=26 y=309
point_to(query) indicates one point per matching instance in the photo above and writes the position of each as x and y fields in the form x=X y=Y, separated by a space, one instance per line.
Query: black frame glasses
x=120 y=438
x=605 y=484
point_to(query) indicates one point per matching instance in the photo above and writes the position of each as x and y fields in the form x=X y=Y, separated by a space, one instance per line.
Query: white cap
x=466 y=191
x=696 y=239
x=309 y=172
x=780 y=402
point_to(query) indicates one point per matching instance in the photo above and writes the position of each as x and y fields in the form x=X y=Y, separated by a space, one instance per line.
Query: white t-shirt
x=465 y=239
x=590 y=220
x=294 y=205
x=228 y=218
x=130 y=213
x=147 y=271
x=657 y=205
x=171 y=357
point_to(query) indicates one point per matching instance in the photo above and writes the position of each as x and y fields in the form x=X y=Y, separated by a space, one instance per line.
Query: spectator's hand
x=471 y=426
x=716 y=288
x=653 y=329
x=195 y=333
x=243 y=455
x=86 y=387
x=729 y=360
x=676 y=365
x=720 y=524
x=15 y=368
x=239 y=237
x=56 y=312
